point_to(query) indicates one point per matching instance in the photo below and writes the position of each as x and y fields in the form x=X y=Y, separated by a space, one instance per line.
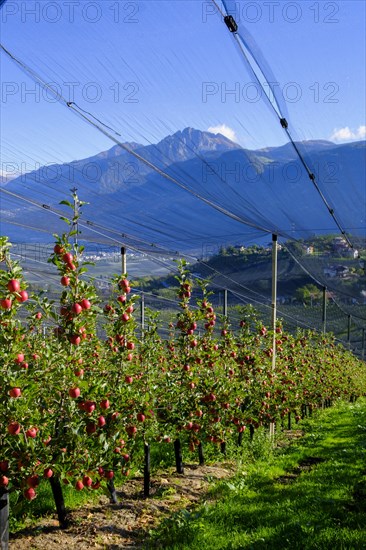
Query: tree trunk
x=59 y=501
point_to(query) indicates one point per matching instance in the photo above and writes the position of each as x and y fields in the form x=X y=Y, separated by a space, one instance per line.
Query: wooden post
x=201 y=457
x=4 y=520
x=178 y=457
x=146 y=470
x=274 y=313
x=124 y=260
x=224 y=308
x=289 y=421
x=324 y=319
x=76 y=214
x=59 y=501
x=112 y=492
x=363 y=345
x=274 y=298
x=349 y=330
x=142 y=315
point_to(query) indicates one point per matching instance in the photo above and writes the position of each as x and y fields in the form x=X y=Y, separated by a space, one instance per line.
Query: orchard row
x=74 y=406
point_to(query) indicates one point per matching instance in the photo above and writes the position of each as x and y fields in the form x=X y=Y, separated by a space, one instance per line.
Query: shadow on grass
x=317 y=504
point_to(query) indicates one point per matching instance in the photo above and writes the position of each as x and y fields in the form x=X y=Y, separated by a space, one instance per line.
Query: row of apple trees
x=74 y=406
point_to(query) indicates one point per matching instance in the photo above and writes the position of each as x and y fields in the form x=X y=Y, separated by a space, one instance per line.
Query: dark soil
x=102 y=525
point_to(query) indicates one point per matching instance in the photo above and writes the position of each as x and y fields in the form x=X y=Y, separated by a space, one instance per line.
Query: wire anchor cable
x=245 y=47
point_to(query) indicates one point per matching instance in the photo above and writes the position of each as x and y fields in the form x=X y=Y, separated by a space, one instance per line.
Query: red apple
x=68 y=258
x=131 y=430
x=104 y=404
x=31 y=432
x=74 y=392
x=89 y=406
x=87 y=481
x=6 y=303
x=13 y=285
x=101 y=421
x=140 y=417
x=33 y=481
x=85 y=304
x=4 y=465
x=109 y=474
x=47 y=473
x=30 y=493
x=23 y=296
x=79 y=486
x=58 y=249
x=124 y=283
x=4 y=481
x=15 y=392
x=14 y=428
x=65 y=281
x=90 y=428
x=76 y=308
x=128 y=379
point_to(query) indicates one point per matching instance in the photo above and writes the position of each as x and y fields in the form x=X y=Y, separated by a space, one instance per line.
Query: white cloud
x=224 y=130
x=346 y=134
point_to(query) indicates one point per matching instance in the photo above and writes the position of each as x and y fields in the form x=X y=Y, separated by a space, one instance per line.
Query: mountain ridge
x=265 y=188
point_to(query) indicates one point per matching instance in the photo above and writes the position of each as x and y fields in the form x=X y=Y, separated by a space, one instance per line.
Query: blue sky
x=151 y=68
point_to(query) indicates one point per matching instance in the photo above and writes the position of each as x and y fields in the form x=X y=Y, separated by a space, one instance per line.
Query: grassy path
x=309 y=495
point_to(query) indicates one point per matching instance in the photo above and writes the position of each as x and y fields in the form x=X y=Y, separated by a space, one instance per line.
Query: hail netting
x=172 y=135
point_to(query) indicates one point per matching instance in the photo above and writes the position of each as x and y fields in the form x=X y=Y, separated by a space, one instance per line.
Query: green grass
x=268 y=505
